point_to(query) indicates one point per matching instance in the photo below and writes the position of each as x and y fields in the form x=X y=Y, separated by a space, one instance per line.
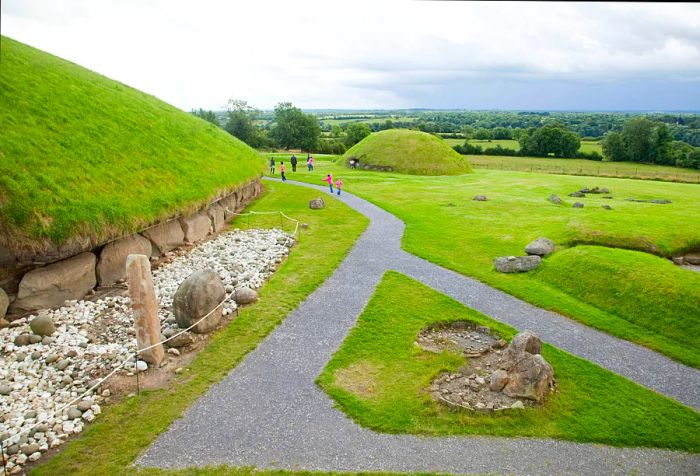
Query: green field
x=445 y=226
x=124 y=430
x=586 y=146
x=373 y=120
x=82 y=155
x=408 y=152
x=586 y=167
x=591 y=404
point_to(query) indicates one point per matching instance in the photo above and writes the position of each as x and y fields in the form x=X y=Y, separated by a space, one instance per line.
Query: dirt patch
x=463 y=337
x=359 y=378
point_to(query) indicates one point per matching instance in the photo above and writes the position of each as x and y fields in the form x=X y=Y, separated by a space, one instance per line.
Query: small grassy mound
x=644 y=290
x=591 y=405
x=85 y=156
x=408 y=152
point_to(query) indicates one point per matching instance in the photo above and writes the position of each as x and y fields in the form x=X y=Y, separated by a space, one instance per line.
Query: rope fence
x=14 y=439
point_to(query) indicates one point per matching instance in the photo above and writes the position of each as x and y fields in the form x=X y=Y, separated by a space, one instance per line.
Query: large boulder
x=166 y=236
x=527 y=373
x=196 y=227
x=42 y=325
x=540 y=247
x=112 y=264
x=199 y=294
x=216 y=215
x=317 y=204
x=577 y=205
x=51 y=285
x=4 y=303
x=516 y=264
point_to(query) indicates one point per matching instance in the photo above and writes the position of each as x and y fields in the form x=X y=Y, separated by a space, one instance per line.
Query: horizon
x=389 y=55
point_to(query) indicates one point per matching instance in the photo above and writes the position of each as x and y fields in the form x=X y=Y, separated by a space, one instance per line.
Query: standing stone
x=516 y=264
x=145 y=307
x=197 y=296
x=196 y=227
x=317 y=204
x=42 y=325
x=166 y=236
x=216 y=215
x=540 y=247
x=51 y=285
x=4 y=303
x=112 y=264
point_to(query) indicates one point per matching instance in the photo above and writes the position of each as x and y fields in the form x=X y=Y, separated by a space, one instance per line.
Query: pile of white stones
x=93 y=338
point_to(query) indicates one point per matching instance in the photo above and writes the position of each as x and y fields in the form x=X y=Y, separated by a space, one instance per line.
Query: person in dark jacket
x=293 y=161
x=272 y=166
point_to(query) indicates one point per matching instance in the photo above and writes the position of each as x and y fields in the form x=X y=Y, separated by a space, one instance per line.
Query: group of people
x=309 y=165
x=293 y=161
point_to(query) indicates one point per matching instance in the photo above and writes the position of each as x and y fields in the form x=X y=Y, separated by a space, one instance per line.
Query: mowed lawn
x=380 y=377
x=124 y=430
x=445 y=226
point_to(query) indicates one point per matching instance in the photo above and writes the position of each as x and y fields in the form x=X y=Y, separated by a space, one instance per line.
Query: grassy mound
x=408 y=152
x=644 y=290
x=85 y=156
x=379 y=376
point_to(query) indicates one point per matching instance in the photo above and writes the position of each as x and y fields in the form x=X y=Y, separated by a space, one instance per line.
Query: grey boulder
x=197 y=296
x=578 y=205
x=516 y=264
x=245 y=296
x=554 y=199
x=112 y=265
x=42 y=325
x=540 y=247
x=317 y=204
x=480 y=198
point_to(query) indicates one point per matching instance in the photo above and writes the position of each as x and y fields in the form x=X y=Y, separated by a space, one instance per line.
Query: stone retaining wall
x=71 y=272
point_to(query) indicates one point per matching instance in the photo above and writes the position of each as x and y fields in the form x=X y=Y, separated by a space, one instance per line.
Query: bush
x=468 y=149
x=498 y=150
x=691 y=160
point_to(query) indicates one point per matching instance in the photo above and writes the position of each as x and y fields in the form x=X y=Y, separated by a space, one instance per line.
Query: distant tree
x=691 y=160
x=356 y=132
x=240 y=122
x=502 y=133
x=614 y=147
x=336 y=131
x=637 y=134
x=677 y=152
x=661 y=145
x=209 y=116
x=483 y=134
x=294 y=129
x=552 y=138
x=388 y=124
x=468 y=132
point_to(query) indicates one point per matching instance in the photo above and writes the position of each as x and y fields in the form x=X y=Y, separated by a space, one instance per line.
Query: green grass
x=585 y=167
x=83 y=155
x=586 y=146
x=408 y=152
x=645 y=290
x=591 y=404
x=467 y=236
x=123 y=431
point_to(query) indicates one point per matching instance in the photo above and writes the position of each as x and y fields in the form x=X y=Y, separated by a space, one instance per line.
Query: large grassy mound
x=647 y=291
x=85 y=156
x=408 y=152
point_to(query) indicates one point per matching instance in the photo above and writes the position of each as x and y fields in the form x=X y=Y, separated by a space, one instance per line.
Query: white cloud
x=356 y=54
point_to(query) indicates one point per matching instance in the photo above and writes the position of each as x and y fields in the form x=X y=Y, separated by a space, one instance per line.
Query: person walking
x=338 y=185
x=310 y=163
x=272 y=166
x=329 y=181
x=293 y=161
x=282 y=171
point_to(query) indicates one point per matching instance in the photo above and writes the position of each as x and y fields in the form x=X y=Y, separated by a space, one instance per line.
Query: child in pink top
x=310 y=163
x=338 y=185
x=329 y=181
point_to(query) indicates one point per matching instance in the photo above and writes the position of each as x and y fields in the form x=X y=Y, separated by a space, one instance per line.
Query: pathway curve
x=269 y=413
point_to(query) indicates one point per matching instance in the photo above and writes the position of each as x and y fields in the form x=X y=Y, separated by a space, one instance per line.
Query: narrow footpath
x=269 y=413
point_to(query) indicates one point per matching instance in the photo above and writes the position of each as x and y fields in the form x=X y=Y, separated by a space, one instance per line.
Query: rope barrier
x=16 y=437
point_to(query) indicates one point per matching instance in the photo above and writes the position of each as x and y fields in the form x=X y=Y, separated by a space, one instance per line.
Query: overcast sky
x=379 y=54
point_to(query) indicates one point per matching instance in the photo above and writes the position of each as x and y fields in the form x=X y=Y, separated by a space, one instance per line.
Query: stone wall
x=70 y=272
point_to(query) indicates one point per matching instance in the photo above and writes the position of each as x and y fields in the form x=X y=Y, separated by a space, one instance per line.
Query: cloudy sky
x=379 y=54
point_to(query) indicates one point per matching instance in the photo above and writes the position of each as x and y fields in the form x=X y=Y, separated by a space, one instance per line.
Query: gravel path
x=269 y=413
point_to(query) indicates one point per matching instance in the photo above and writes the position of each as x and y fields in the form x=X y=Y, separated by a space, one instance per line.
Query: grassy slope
x=467 y=237
x=409 y=152
x=592 y=404
x=124 y=430
x=645 y=290
x=82 y=154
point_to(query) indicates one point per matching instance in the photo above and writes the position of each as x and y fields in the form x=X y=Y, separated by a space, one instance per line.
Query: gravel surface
x=269 y=413
x=94 y=337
